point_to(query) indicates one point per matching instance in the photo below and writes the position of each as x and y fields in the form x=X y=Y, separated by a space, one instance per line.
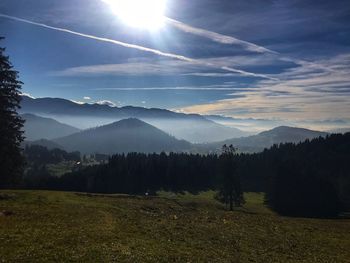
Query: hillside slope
x=129 y=135
x=45 y=226
x=259 y=142
x=44 y=143
x=37 y=128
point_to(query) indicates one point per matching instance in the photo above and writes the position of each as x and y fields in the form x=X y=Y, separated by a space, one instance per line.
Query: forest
x=305 y=179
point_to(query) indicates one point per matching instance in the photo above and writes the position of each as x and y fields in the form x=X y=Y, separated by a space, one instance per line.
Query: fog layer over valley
x=192 y=127
x=109 y=130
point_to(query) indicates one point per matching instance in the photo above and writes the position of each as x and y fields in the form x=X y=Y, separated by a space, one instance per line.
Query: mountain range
x=191 y=127
x=148 y=130
x=133 y=135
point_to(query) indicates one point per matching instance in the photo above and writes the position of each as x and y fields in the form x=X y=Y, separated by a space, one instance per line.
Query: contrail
x=216 y=37
x=154 y=51
x=146 y=49
x=229 y=40
x=208 y=87
x=171 y=88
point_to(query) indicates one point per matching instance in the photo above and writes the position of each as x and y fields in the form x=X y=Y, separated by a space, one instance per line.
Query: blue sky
x=277 y=60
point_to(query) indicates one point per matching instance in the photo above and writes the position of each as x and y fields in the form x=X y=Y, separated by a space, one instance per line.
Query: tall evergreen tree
x=231 y=191
x=11 y=136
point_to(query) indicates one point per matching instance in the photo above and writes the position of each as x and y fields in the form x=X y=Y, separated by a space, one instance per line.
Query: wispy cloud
x=138 y=47
x=303 y=92
x=156 y=67
x=27 y=95
x=223 y=87
x=230 y=40
x=210 y=74
x=106 y=102
x=219 y=38
x=78 y=102
x=133 y=68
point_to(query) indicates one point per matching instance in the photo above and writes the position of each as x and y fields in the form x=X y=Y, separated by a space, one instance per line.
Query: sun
x=144 y=14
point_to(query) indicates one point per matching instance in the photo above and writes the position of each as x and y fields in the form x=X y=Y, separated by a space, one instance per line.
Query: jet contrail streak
x=216 y=37
x=146 y=49
x=154 y=51
x=229 y=40
x=165 y=88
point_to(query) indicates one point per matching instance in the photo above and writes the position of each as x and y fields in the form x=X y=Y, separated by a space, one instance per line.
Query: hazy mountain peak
x=296 y=131
x=281 y=134
x=36 y=127
x=129 y=123
x=127 y=135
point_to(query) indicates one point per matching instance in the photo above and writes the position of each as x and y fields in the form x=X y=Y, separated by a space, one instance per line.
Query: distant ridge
x=191 y=127
x=36 y=128
x=290 y=134
x=266 y=139
x=128 y=135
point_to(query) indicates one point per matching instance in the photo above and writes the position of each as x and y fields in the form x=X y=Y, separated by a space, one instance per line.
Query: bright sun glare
x=146 y=14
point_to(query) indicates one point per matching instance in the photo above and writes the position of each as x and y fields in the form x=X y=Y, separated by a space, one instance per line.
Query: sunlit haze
x=139 y=13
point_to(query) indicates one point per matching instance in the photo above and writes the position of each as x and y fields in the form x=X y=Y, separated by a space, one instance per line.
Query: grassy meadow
x=43 y=226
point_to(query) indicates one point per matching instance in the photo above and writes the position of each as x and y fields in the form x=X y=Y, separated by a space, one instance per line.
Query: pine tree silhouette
x=11 y=136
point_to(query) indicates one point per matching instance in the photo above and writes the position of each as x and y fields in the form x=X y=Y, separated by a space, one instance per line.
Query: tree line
x=306 y=179
x=39 y=155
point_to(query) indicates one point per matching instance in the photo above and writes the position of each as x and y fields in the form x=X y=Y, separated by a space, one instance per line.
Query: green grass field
x=42 y=226
x=60 y=168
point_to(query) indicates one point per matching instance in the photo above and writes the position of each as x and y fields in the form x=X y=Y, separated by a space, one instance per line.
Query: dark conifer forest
x=306 y=179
